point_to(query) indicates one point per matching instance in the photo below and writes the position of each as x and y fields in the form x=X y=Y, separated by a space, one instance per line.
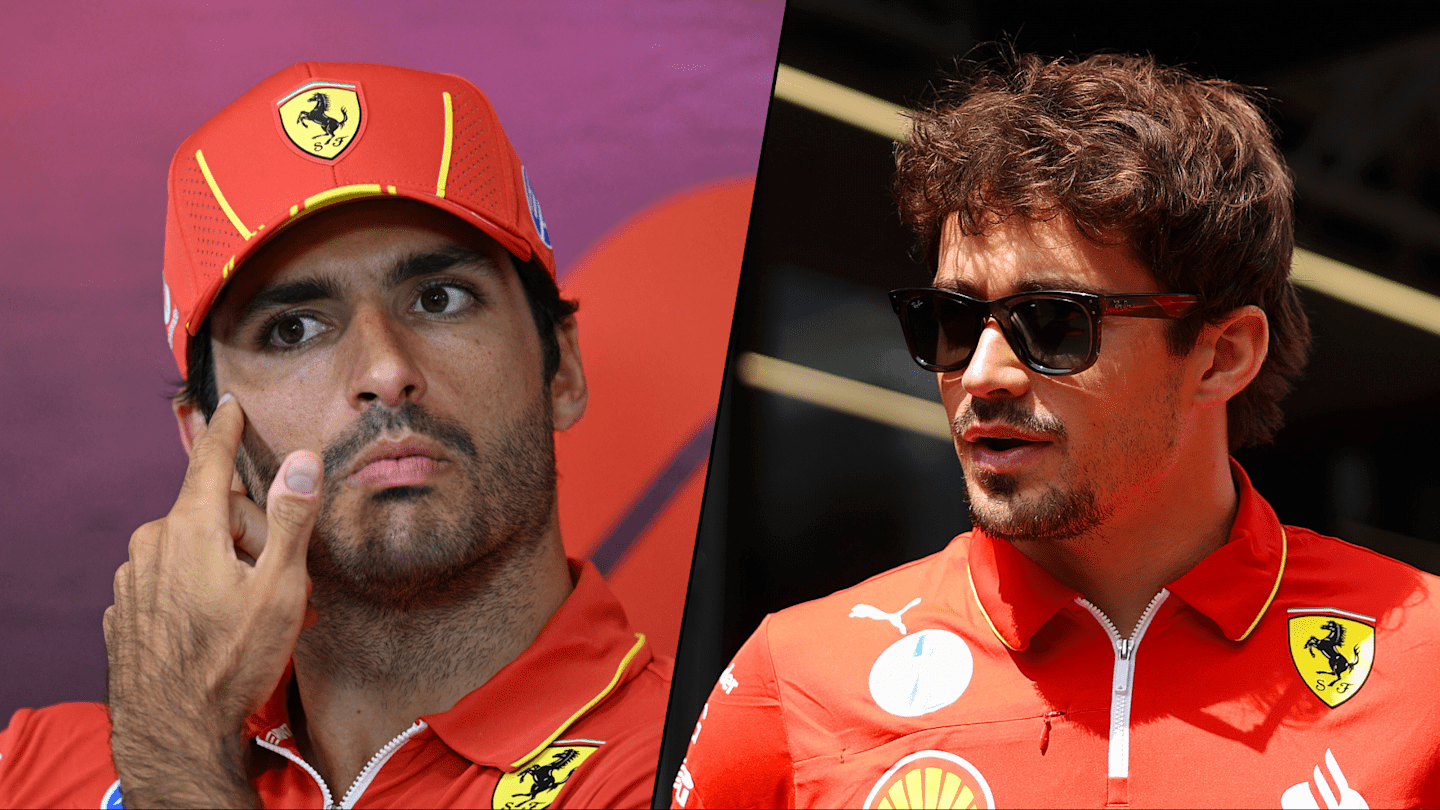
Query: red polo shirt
x=574 y=721
x=1285 y=669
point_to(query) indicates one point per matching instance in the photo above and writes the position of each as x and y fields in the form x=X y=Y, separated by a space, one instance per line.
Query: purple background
x=612 y=106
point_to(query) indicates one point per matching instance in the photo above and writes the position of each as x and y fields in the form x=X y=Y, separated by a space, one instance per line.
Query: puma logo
x=863 y=611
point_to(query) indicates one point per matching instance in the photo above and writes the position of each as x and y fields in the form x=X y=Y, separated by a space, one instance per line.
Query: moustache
x=1008 y=412
x=378 y=419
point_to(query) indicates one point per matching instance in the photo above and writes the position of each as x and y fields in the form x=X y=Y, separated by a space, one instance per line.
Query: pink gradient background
x=612 y=106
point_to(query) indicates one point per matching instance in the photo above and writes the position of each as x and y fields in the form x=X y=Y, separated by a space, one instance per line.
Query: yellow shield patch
x=1333 y=651
x=321 y=119
x=537 y=784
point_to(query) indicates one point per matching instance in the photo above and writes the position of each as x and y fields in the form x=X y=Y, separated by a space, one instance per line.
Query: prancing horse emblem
x=1344 y=639
x=1329 y=647
x=319 y=115
x=538 y=784
x=322 y=119
x=542 y=777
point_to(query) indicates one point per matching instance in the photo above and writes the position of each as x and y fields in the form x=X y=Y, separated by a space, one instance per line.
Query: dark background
x=803 y=500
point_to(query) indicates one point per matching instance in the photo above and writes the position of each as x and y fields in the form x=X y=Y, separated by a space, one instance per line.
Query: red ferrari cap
x=317 y=134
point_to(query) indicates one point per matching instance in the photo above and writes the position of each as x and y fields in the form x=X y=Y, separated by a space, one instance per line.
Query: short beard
x=1056 y=514
x=437 y=556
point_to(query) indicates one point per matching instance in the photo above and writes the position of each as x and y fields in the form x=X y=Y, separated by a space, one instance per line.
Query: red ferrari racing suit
x=1285 y=669
x=574 y=721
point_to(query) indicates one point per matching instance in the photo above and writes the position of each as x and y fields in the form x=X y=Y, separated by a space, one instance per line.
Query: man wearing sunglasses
x=360 y=595
x=1128 y=623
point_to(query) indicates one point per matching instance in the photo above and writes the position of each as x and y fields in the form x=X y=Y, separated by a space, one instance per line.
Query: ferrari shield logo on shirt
x=931 y=779
x=537 y=784
x=1333 y=651
x=922 y=673
x=321 y=119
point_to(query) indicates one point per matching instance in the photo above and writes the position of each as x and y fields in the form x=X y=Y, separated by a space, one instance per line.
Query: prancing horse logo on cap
x=321 y=119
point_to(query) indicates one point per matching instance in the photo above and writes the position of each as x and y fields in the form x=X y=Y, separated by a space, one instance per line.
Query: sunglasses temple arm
x=1151 y=306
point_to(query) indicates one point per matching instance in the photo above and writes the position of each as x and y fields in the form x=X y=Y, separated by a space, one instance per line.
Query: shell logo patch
x=931 y=780
x=538 y=783
x=1333 y=651
x=921 y=673
x=321 y=119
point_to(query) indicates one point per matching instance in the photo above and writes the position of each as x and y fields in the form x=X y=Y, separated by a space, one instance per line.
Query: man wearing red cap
x=1129 y=623
x=360 y=596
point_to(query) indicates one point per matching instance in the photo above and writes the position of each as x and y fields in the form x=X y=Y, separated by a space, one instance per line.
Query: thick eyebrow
x=438 y=261
x=1031 y=284
x=319 y=288
x=287 y=294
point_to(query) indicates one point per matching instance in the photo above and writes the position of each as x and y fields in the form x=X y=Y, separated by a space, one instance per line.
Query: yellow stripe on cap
x=609 y=687
x=335 y=195
x=220 y=198
x=445 y=156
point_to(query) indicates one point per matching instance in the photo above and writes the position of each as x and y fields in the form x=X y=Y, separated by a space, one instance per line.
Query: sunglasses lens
x=1056 y=332
x=941 y=331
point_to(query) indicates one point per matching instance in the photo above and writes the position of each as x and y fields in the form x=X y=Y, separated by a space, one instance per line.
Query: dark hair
x=1183 y=170
x=547 y=308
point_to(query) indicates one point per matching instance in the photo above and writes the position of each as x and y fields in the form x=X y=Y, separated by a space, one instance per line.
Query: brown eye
x=443 y=299
x=435 y=299
x=292 y=330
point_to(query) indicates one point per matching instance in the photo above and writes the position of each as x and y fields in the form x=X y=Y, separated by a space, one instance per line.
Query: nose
x=994 y=371
x=382 y=359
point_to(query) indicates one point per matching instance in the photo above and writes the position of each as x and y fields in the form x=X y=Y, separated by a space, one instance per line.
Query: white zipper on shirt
x=299 y=760
x=1123 y=680
x=366 y=774
x=373 y=767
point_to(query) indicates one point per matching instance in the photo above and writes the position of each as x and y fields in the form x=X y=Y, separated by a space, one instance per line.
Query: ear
x=568 y=391
x=1233 y=351
x=191 y=422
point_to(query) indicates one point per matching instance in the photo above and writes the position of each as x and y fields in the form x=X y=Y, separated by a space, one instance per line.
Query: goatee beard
x=1054 y=514
x=437 y=550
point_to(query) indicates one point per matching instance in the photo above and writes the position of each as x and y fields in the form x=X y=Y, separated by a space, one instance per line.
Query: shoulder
x=893 y=593
x=1320 y=561
x=58 y=756
x=1327 y=571
x=620 y=738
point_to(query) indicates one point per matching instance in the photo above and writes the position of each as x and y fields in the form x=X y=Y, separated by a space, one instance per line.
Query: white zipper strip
x=1123 y=680
x=376 y=762
x=299 y=760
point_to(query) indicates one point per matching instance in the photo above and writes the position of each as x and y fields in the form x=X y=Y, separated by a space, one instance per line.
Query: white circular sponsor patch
x=921 y=673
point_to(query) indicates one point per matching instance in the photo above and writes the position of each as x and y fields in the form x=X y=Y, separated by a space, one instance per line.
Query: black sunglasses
x=1054 y=332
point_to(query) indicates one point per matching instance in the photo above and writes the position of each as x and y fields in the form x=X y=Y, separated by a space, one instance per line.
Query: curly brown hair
x=1183 y=170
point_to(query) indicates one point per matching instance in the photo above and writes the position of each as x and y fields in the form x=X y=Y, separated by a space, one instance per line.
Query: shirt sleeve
x=56 y=757
x=739 y=754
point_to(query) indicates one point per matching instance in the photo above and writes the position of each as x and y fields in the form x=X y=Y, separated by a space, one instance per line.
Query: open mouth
x=1000 y=445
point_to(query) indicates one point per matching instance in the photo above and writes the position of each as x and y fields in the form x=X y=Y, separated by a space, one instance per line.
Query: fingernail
x=223 y=400
x=302 y=475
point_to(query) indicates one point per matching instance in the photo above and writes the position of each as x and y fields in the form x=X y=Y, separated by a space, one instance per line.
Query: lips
x=410 y=462
x=1003 y=449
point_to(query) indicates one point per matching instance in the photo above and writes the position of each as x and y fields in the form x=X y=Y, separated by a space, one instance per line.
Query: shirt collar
x=583 y=654
x=1233 y=586
x=1236 y=583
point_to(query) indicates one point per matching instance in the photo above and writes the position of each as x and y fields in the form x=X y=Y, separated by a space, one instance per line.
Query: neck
x=364 y=674
x=1121 y=565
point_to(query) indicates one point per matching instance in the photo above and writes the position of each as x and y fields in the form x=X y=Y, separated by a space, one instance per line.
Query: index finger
x=212 y=455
